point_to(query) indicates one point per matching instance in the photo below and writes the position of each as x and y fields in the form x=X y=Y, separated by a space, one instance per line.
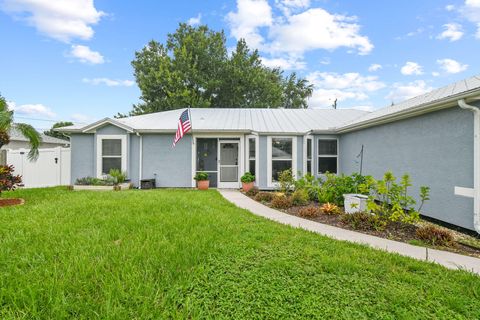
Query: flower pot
x=203 y=184
x=355 y=203
x=247 y=186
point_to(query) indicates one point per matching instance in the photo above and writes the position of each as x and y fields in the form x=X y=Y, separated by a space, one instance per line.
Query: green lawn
x=190 y=254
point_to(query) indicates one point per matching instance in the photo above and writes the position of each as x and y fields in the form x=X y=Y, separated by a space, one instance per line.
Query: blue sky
x=70 y=60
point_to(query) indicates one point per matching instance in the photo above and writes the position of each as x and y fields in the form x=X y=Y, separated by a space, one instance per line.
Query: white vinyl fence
x=52 y=167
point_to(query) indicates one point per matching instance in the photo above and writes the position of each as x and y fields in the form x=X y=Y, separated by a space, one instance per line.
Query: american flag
x=184 y=125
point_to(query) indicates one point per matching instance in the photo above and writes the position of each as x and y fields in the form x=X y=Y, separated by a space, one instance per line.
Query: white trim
x=247 y=156
x=101 y=137
x=229 y=184
x=318 y=155
x=91 y=127
x=464 y=192
x=241 y=155
x=270 y=182
x=305 y=142
x=140 y=160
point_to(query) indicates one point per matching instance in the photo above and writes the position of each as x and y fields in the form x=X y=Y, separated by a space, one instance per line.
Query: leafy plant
x=335 y=186
x=330 y=208
x=264 y=197
x=281 y=202
x=434 y=235
x=201 y=176
x=247 y=177
x=286 y=181
x=300 y=197
x=310 y=184
x=364 y=221
x=118 y=176
x=309 y=212
x=92 y=181
x=8 y=181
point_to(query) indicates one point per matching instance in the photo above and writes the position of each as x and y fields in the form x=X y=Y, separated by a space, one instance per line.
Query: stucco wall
x=173 y=167
x=82 y=156
x=436 y=149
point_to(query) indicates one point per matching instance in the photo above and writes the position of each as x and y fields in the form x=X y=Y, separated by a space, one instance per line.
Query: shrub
x=264 y=197
x=247 y=177
x=118 y=176
x=91 y=181
x=201 y=176
x=281 y=202
x=300 y=197
x=390 y=199
x=310 y=184
x=335 y=186
x=286 y=181
x=252 y=192
x=364 y=221
x=309 y=212
x=8 y=181
x=436 y=236
x=330 y=208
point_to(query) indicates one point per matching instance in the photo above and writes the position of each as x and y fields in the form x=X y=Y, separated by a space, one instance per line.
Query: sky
x=71 y=60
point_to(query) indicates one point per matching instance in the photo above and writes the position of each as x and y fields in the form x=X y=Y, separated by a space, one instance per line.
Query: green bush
x=286 y=181
x=364 y=221
x=435 y=235
x=309 y=212
x=281 y=202
x=264 y=197
x=310 y=184
x=247 y=177
x=300 y=197
x=118 y=176
x=201 y=176
x=335 y=186
x=91 y=181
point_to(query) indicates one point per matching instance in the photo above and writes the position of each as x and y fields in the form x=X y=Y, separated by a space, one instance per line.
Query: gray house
x=433 y=137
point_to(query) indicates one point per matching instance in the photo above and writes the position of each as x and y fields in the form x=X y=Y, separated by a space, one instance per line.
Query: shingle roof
x=16 y=135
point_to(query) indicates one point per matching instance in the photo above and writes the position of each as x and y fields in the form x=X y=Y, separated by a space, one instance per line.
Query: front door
x=228 y=164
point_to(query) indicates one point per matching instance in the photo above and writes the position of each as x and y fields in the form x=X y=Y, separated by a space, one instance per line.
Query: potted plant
x=202 y=180
x=248 y=181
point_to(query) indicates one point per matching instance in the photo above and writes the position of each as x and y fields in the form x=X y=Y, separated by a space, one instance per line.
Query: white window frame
x=270 y=182
x=326 y=155
x=100 y=139
x=305 y=159
x=247 y=155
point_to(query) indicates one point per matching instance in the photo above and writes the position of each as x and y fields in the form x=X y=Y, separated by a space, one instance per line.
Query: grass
x=190 y=254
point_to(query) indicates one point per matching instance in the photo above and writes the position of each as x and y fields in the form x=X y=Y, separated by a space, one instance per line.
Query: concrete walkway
x=444 y=258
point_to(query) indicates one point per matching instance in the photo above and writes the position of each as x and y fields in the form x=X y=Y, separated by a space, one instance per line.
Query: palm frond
x=6 y=120
x=34 y=139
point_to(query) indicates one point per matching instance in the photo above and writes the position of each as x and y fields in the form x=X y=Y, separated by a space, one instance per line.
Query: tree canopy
x=56 y=134
x=193 y=68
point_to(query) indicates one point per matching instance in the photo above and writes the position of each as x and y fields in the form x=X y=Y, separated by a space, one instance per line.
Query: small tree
x=8 y=181
x=56 y=134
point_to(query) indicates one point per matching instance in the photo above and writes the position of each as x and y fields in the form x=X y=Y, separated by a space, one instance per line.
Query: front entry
x=228 y=164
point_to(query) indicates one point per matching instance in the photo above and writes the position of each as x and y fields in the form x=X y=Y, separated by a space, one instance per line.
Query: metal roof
x=16 y=135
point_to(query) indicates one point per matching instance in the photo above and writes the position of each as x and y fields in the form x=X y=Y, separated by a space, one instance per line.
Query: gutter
x=140 y=159
x=476 y=161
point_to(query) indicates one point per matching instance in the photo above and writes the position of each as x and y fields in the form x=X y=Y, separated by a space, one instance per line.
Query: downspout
x=476 y=161
x=140 y=160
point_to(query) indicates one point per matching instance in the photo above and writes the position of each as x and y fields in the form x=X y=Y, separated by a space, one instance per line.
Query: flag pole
x=191 y=123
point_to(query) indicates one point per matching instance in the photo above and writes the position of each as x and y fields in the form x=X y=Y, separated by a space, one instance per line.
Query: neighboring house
x=18 y=141
x=430 y=137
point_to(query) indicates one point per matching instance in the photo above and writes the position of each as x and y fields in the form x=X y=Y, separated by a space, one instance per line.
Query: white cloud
x=411 y=68
x=61 y=20
x=289 y=6
x=471 y=11
x=250 y=16
x=374 y=67
x=348 y=86
x=449 y=7
x=452 y=32
x=289 y=63
x=451 y=66
x=401 y=92
x=81 y=118
x=311 y=29
x=38 y=110
x=86 y=55
x=109 y=82
x=435 y=73
x=194 y=21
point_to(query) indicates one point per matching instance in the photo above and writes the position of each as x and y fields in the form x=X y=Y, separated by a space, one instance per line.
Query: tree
x=56 y=134
x=6 y=123
x=194 y=69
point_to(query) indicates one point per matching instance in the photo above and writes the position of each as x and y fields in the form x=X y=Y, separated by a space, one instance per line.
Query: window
x=111 y=153
x=252 y=155
x=282 y=156
x=327 y=155
x=309 y=156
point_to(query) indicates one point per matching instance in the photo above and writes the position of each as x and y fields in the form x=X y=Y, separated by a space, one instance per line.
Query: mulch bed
x=394 y=231
x=11 y=202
